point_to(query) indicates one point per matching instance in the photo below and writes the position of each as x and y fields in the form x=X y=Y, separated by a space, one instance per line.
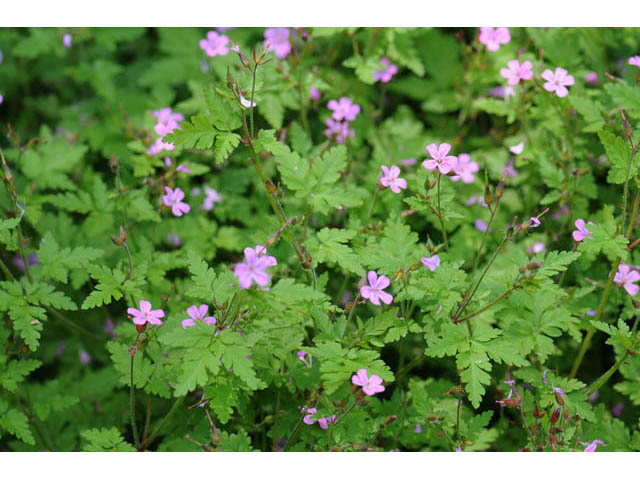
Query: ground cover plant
x=319 y=239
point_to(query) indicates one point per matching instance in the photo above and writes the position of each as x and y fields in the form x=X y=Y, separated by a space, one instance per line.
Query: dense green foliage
x=81 y=191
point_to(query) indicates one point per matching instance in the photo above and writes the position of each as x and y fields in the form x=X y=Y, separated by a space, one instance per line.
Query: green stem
x=444 y=230
x=7 y=272
x=166 y=418
x=253 y=88
x=489 y=305
x=484 y=238
x=606 y=375
x=275 y=422
x=132 y=405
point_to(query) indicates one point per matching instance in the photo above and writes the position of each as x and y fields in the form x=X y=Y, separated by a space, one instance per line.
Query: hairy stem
x=132 y=405
x=606 y=375
x=444 y=230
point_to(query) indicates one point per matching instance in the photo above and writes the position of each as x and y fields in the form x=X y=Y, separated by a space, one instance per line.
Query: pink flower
x=439 y=158
x=370 y=385
x=325 y=421
x=145 y=314
x=277 y=40
x=309 y=413
x=480 y=225
x=635 y=60
x=617 y=409
x=407 y=162
x=253 y=270
x=534 y=222
x=215 y=44
x=536 y=248
x=159 y=146
x=32 y=259
x=175 y=239
x=593 y=445
x=517 y=149
x=557 y=82
x=625 y=277
x=464 y=168
x=340 y=130
x=386 y=74
x=211 y=198
x=246 y=103
x=173 y=199
x=374 y=291
x=591 y=78
x=476 y=199
x=302 y=355
x=261 y=251
x=502 y=92
x=431 y=262
x=516 y=72
x=85 y=358
x=183 y=168
x=344 y=109
x=493 y=38
x=582 y=232
x=418 y=428
x=66 y=40
x=167 y=121
x=315 y=94
x=392 y=180
x=198 y=313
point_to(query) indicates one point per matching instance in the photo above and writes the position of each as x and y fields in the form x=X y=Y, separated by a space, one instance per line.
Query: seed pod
x=500 y=189
x=554 y=416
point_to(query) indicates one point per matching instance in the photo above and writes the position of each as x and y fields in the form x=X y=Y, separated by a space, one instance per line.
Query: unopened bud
x=500 y=189
x=559 y=399
x=537 y=413
x=123 y=234
x=116 y=241
x=270 y=186
x=488 y=197
x=627 y=127
x=141 y=328
x=389 y=420
x=554 y=416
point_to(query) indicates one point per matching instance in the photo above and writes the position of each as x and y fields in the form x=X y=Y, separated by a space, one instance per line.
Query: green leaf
x=223 y=111
x=625 y=96
x=15 y=372
x=554 y=262
x=199 y=133
x=105 y=440
x=365 y=68
x=109 y=286
x=202 y=277
x=226 y=142
x=330 y=248
x=618 y=152
x=589 y=110
x=271 y=108
x=17 y=424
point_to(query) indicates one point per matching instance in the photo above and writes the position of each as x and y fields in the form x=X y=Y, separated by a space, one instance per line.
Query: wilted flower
x=593 y=445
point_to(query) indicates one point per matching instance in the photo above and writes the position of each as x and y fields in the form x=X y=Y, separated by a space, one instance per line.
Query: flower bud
x=500 y=189
x=627 y=127
x=554 y=416
x=488 y=197
x=141 y=328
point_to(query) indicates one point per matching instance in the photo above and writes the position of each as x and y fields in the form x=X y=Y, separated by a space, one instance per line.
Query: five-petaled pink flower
x=464 y=168
x=374 y=291
x=198 y=313
x=439 y=158
x=145 y=314
x=386 y=74
x=593 y=445
x=558 y=81
x=635 y=60
x=173 y=199
x=493 y=38
x=625 y=277
x=516 y=71
x=344 y=109
x=277 y=40
x=392 y=180
x=370 y=385
x=215 y=44
x=581 y=233
x=431 y=262
x=254 y=266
